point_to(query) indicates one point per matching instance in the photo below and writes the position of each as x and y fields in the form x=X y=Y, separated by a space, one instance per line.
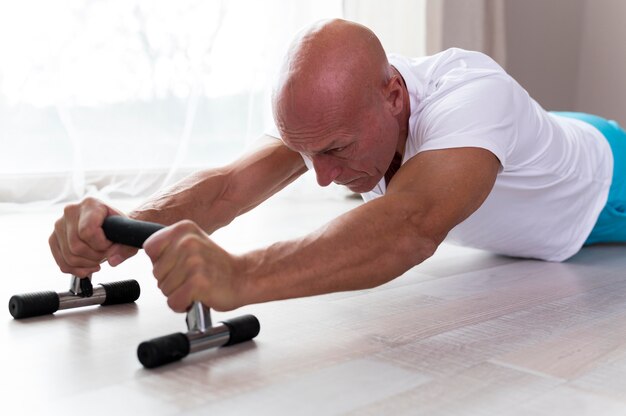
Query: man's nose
x=326 y=169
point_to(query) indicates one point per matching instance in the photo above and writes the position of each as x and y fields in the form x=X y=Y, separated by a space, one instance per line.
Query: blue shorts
x=611 y=224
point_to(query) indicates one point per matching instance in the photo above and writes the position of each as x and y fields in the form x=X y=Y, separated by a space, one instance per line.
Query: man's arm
x=380 y=240
x=214 y=197
x=211 y=198
x=363 y=248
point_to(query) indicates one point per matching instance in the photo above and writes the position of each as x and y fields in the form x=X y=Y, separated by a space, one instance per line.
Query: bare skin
x=339 y=102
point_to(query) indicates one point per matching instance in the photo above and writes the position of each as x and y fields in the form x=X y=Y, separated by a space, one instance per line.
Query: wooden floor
x=465 y=333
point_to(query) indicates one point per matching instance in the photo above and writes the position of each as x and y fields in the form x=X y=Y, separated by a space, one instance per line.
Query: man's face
x=356 y=156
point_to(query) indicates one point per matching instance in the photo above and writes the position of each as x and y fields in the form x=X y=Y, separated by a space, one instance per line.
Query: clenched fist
x=78 y=243
x=190 y=267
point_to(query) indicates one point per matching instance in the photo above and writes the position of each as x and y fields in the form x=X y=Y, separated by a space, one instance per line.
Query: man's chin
x=360 y=186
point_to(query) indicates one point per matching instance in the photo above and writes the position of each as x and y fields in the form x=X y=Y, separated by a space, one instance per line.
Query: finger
x=71 y=242
x=159 y=248
x=56 y=251
x=182 y=298
x=63 y=265
x=169 y=250
x=169 y=272
x=180 y=260
x=89 y=228
x=158 y=242
x=69 y=256
x=119 y=253
x=188 y=266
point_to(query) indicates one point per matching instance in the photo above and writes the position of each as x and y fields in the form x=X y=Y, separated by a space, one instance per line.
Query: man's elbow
x=416 y=245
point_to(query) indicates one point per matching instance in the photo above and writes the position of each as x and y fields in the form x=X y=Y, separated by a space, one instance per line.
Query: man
x=481 y=164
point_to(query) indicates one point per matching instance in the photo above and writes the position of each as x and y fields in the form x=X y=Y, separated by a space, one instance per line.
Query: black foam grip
x=242 y=328
x=124 y=291
x=28 y=305
x=129 y=232
x=163 y=350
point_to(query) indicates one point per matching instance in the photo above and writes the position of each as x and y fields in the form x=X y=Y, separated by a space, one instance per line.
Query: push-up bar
x=81 y=293
x=200 y=335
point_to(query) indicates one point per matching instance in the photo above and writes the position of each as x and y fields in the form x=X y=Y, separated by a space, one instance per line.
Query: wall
x=602 y=62
x=570 y=54
x=399 y=24
x=468 y=24
x=543 y=41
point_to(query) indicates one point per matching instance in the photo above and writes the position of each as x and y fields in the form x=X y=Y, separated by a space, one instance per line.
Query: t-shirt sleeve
x=479 y=113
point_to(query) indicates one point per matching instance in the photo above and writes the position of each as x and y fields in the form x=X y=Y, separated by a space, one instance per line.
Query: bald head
x=333 y=71
x=339 y=102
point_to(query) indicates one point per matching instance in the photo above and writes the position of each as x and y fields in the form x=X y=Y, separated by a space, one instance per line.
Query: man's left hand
x=190 y=267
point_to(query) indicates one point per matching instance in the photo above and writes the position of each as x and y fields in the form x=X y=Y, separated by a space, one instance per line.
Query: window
x=122 y=96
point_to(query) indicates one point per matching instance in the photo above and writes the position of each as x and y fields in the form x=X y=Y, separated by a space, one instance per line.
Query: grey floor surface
x=465 y=333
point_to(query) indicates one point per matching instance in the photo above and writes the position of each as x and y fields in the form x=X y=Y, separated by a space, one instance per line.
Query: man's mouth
x=348 y=182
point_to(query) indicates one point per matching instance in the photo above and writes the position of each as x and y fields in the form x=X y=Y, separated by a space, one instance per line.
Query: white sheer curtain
x=119 y=98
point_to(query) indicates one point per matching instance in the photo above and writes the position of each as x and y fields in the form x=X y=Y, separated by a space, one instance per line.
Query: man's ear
x=394 y=93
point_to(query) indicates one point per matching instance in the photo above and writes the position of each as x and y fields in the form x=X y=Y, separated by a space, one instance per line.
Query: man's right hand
x=78 y=242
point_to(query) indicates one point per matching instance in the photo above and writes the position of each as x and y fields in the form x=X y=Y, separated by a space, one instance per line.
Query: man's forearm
x=198 y=197
x=213 y=198
x=363 y=248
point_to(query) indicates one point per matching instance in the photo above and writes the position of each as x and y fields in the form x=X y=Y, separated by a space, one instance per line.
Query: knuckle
x=171 y=302
x=56 y=255
x=164 y=289
x=198 y=280
x=186 y=226
x=59 y=225
x=188 y=242
x=70 y=209
x=158 y=274
x=75 y=245
x=195 y=264
x=87 y=233
x=90 y=201
x=187 y=223
x=52 y=242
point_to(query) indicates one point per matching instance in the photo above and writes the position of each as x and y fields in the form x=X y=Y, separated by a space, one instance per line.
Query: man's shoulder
x=454 y=60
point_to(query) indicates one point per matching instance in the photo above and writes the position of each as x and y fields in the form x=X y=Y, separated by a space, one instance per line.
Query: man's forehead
x=317 y=145
x=321 y=131
x=310 y=145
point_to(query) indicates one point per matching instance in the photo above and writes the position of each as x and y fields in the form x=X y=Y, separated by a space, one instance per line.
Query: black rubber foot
x=242 y=329
x=28 y=305
x=163 y=350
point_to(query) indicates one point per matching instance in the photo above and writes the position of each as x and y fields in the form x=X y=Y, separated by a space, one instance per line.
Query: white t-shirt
x=555 y=172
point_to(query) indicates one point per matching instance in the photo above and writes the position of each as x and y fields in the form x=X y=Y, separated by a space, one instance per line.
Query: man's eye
x=338 y=149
